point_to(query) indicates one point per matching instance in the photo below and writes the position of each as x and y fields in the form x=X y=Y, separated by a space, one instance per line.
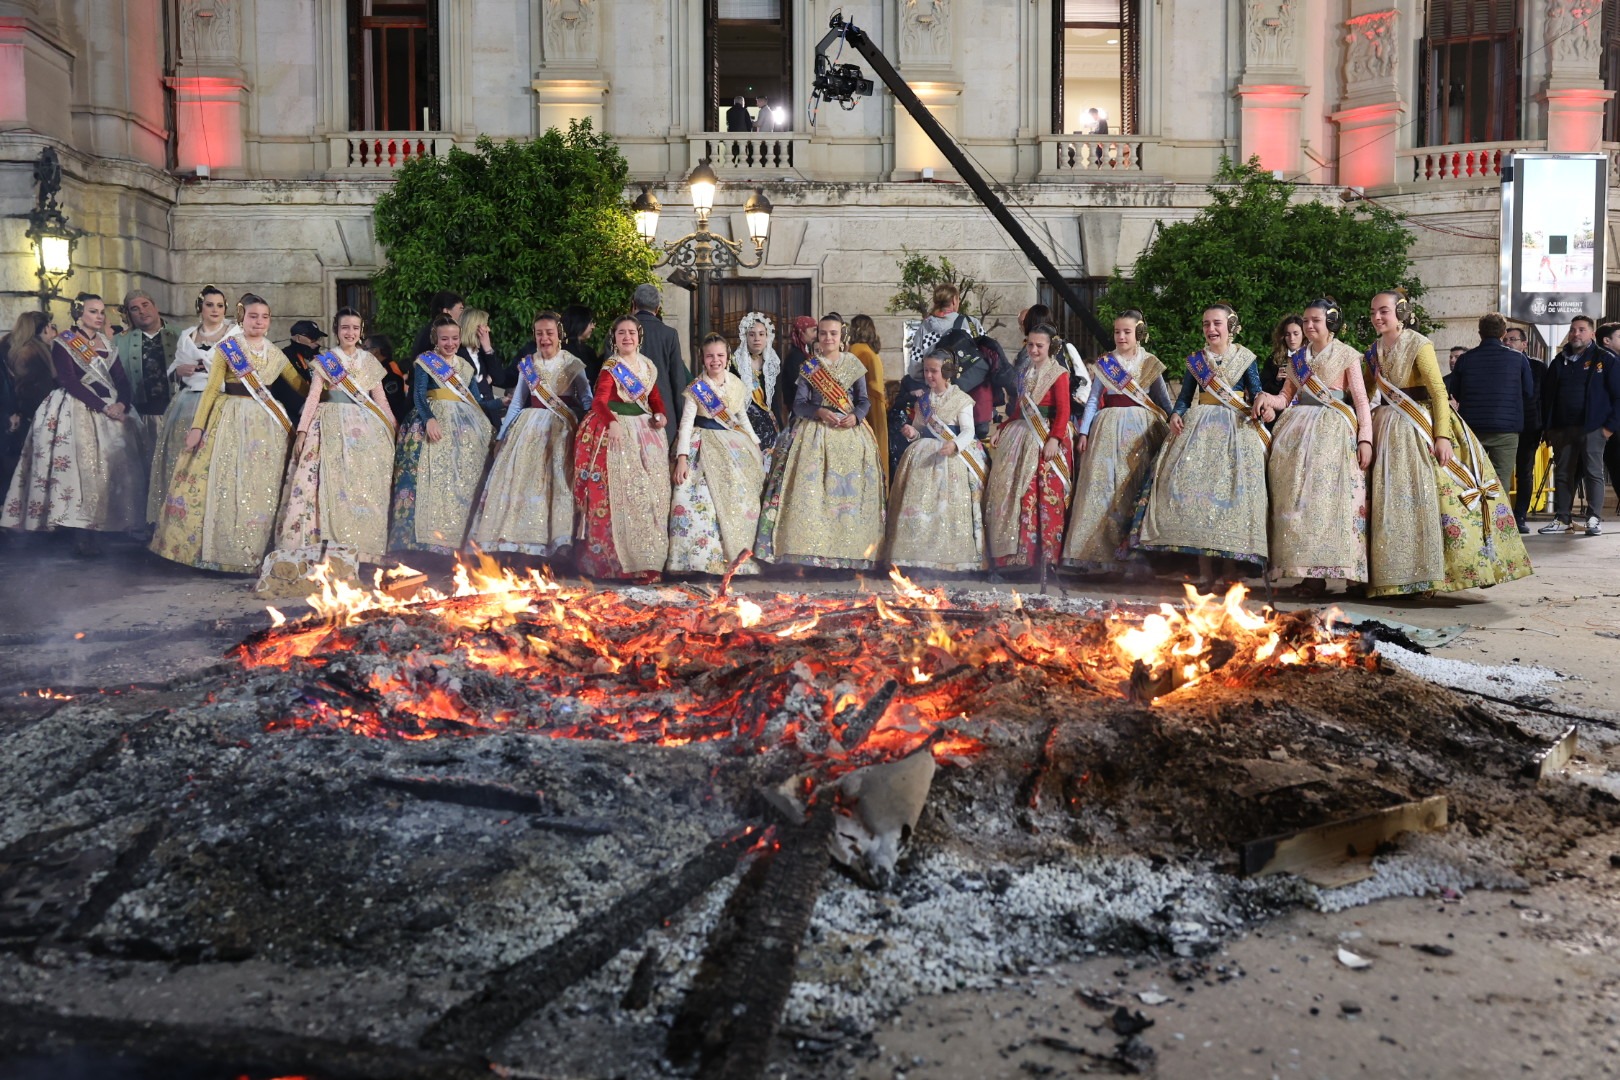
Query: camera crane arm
x=903 y=93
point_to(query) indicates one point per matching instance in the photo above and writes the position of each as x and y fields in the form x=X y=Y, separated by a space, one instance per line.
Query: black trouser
x=1576 y=453
x=1524 y=473
x=1611 y=459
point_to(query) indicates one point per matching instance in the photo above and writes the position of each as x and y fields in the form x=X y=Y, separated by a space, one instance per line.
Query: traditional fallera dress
x=1318 y=490
x=528 y=501
x=621 y=475
x=181 y=413
x=435 y=482
x=80 y=468
x=1022 y=485
x=714 y=515
x=1125 y=423
x=761 y=388
x=1431 y=527
x=936 y=503
x=220 y=509
x=1209 y=487
x=877 y=417
x=823 y=503
x=337 y=491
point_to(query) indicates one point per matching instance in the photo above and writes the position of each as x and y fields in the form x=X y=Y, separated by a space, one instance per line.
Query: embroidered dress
x=621 y=476
x=1318 y=491
x=936 y=504
x=181 y=413
x=761 y=384
x=1123 y=439
x=1209 y=488
x=1021 y=484
x=337 y=489
x=714 y=515
x=823 y=503
x=220 y=509
x=81 y=469
x=1428 y=528
x=435 y=482
x=528 y=502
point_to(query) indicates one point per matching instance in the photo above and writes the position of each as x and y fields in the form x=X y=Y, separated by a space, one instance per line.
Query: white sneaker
x=1594 y=527
x=1554 y=527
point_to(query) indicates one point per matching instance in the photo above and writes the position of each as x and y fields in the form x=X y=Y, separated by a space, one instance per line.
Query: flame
x=48 y=694
x=748 y=612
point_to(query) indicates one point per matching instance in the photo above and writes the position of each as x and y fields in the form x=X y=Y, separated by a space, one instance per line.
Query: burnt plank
x=482 y=795
x=1325 y=848
x=524 y=987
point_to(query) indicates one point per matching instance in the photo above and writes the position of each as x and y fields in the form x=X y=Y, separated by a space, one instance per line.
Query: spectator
x=1609 y=339
x=801 y=339
x=1286 y=340
x=440 y=303
x=767 y=119
x=1524 y=471
x=867 y=347
x=1095 y=121
x=578 y=323
x=488 y=368
x=306 y=340
x=147 y=352
x=1494 y=389
x=737 y=118
x=1573 y=415
x=396 y=377
x=662 y=345
x=946 y=317
x=25 y=380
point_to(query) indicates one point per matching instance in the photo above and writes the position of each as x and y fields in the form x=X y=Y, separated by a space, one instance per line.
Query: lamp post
x=703 y=251
x=48 y=229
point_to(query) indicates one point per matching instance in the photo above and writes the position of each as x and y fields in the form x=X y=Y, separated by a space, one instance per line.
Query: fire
x=847 y=680
x=48 y=694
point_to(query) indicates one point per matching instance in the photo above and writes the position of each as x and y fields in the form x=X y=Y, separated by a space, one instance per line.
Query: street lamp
x=703 y=251
x=53 y=239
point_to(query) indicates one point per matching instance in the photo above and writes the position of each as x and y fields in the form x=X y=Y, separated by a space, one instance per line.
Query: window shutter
x=1130 y=35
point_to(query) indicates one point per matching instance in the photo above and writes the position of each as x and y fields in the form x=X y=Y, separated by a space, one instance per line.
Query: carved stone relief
x=1370 y=50
x=1575 y=31
x=1270 y=28
x=569 y=30
x=210 y=32
x=925 y=31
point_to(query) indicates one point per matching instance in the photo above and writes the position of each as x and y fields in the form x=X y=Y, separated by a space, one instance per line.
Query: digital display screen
x=1554 y=211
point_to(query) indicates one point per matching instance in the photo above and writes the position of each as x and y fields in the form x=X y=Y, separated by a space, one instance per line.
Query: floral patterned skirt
x=528 y=503
x=1026 y=501
x=79 y=470
x=824 y=502
x=435 y=482
x=1108 y=478
x=621 y=498
x=714 y=514
x=1318 y=496
x=170 y=444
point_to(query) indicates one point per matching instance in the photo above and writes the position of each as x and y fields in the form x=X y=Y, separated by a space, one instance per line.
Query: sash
x=710 y=399
x=1123 y=381
x=630 y=383
x=445 y=372
x=833 y=395
x=1210 y=381
x=1043 y=431
x=942 y=431
x=79 y=347
x=1306 y=377
x=530 y=371
x=242 y=368
x=1472 y=489
x=332 y=369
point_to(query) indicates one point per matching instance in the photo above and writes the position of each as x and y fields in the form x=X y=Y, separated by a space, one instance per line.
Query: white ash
x=1423 y=866
x=1500 y=680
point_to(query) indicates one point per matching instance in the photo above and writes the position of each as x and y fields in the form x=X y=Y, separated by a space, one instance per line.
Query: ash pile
x=680 y=832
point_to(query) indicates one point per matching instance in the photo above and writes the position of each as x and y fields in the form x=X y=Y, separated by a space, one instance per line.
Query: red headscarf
x=802 y=323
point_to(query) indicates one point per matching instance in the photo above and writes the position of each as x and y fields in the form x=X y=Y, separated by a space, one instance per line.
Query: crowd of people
x=235 y=454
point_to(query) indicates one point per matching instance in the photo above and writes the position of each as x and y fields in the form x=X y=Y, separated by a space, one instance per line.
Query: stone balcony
x=378 y=153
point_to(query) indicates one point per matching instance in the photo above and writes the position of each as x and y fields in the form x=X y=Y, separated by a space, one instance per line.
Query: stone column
x=1273 y=86
x=1370 y=115
x=210 y=87
x=569 y=83
x=36 y=82
x=927 y=60
x=1573 y=94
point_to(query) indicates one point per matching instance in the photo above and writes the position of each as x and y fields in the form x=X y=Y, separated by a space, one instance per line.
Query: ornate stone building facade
x=243 y=142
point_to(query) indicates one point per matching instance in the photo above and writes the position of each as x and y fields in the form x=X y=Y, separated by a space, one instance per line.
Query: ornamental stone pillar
x=1370 y=115
x=569 y=83
x=1273 y=87
x=210 y=87
x=928 y=60
x=1573 y=93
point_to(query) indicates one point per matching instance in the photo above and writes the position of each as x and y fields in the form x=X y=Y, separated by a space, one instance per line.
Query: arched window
x=1471 y=72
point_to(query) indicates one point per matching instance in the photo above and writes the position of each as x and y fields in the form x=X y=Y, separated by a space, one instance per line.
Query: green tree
x=1255 y=248
x=919 y=275
x=515 y=228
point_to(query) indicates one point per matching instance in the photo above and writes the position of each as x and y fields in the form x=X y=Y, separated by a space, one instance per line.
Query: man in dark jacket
x=1574 y=407
x=662 y=345
x=1493 y=386
x=1524 y=463
x=1609 y=350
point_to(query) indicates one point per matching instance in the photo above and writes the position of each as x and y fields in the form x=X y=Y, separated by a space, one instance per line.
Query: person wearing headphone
x=1209 y=492
x=1124 y=425
x=1320 y=449
x=1438 y=518
x=84 y=464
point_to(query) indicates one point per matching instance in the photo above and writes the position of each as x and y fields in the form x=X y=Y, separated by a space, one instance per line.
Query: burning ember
x=503 y=652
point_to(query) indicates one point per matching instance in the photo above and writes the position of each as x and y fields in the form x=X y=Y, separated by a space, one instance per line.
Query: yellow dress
x=936 y=504
x=220 y=510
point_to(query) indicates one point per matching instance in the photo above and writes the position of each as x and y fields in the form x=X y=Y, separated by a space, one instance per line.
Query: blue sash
x=1125 y=383
x=834 y=395
x=629 y=382
x=1213 y=384
x=332 y=369
x=445 y=372
x=237 y=359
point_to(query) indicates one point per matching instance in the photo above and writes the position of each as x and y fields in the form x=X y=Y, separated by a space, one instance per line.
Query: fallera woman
x=192 y=350
x=936 y=503
x=718 y=473
x=1027 y=495
x=759 y=367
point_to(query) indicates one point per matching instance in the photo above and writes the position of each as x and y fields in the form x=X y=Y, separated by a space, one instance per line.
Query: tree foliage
x=1255 y=248
x=515 y=228
x=919 y=275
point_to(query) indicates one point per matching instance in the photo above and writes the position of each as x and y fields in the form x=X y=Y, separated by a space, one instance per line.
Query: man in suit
x=662 y=345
